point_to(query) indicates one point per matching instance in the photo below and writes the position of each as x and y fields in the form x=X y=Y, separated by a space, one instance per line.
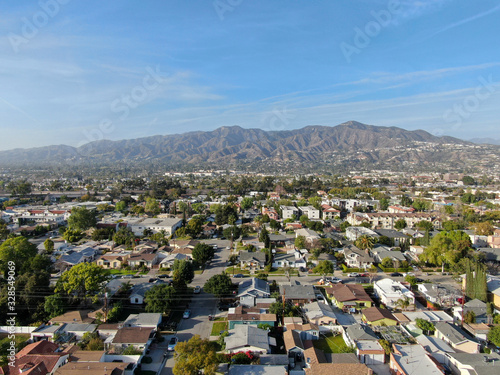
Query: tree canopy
x=195 y=355
x=82 y=218
x=160 y=298
x=84 y=280
x=219 y=285
x=447 y=248
x=202 y=253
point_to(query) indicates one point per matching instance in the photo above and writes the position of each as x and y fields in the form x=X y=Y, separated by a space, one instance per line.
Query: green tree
x=202 y=253
x=124 y=236
x=195 y=356
x=152 y=206
x=19 y=251
x=184 y=269
x=468 y=180
x=4 y=231
x=85 y=280
x=160 y=298
x=121 y=206
x=232 y=233
x=421 y=205
x=324 y=267
x=264 y=237
x=82 y=219
x=424 y=225
x=425 y=325
x=219 y=285
x=194 y=226
x=494 y=335
x=246 y=203
x=49 y=245
x=470 y=317
x=54 y=305
x=365 y=242
x=406 y=201
x=383 y=204
x=300 y=242
x=400 y=224
x=387 y=263
x=411 y=279
x=403 y=303
x=447 y=248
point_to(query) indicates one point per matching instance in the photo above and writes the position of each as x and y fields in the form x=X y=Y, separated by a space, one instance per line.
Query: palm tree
x=365 y=242
x=403 y=303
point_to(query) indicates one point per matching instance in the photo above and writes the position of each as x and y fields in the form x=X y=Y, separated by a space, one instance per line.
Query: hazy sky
x=75 y=71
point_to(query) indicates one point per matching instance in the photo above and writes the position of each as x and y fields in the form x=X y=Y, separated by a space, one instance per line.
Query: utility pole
x=106 y=306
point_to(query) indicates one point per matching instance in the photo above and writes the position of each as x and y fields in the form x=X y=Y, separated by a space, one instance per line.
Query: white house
x=311 y=212
x=390 y=291
x=169 y=225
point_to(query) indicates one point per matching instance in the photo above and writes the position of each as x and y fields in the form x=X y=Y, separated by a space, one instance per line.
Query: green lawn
x=218 y=326
x=330 y=344
x=122 y=272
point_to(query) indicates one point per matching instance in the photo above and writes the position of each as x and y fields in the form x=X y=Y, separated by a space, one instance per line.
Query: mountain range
x=348 y=145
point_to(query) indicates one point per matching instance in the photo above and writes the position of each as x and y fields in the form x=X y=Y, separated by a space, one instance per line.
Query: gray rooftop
x=258 y=370
x=483 y=364
x=298 y=292
x=143 y=320
x=361 y=332
x=247 y=335
x=452 y=332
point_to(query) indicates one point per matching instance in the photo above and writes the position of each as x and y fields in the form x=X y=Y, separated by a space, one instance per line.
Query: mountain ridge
x=353 y=142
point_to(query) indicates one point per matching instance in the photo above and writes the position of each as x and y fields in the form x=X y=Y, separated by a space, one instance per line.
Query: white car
x=172 y=343
x=353 y=274
x=186 y=314
x=197 y=289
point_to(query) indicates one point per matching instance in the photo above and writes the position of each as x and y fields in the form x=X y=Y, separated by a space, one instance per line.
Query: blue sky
x=75 y=71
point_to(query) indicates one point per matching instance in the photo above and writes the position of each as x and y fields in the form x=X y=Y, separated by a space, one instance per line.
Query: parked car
x=197 y=289
x=172 y=343
x=320 y=298
x=186 y=314
x=354 y=274
x=239 y=275
x=163 y=276
x=396 y=274
x=364 y=275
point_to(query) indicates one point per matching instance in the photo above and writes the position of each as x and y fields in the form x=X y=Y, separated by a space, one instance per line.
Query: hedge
x=347 y=269
x=390 y=269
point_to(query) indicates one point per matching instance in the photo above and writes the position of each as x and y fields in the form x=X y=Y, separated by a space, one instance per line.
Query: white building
x=289 y=212
x=169 y=225
x=310 y=212
x=390 y=291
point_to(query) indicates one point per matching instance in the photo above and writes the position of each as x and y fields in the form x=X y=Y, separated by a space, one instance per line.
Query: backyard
x=331 y=344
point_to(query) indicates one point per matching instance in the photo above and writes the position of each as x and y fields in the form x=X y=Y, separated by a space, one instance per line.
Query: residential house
x=413 y=360
x=287 y=260
x=397 y=209
x=46 y=332
x=479 y=331
x=319 y=313
x=78 y=330
x=338 y=369
x=375 y=316
x=490 y=254
x=138 y=293
x=358 y=332
x=143 y=260
x=390 y=292
x=271 y=212
x=309 y=234
x=431 y=316
x=353 y=233
x=478 y=363
x=94 y=368
x=252 y=259
x=349 y=297
x=307 y=331
x=247 y=338
x=76 y=256
x=456 y=337
x=74 y=316
x=436 y=347
x=297 y=293
x=250 y=316
x=494 y=239
x=357 y=258
x=414 y=252
x=382 y=252
x=493 y=284
x=250 y=289
x=439 y=294
x=478 y=308
x=258 y=369
x=169 y=260
x=144 y=320
x=138 y=337
x=294 y=345
x=113 y=260
x=38 y=358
